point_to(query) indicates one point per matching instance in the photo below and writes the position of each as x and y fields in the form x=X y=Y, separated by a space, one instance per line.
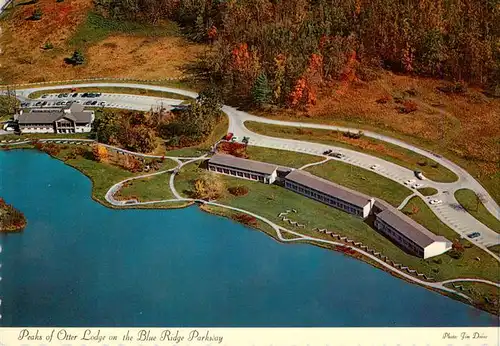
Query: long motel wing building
x=392 y=223
x=408 y=234
x=329 y=193
x=243 y=168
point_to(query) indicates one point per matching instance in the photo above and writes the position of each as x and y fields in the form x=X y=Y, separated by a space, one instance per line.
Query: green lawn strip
x=467 y=266
x=96 y=28
x=398 y=155
x=269 y=200
x=153 y=188
x=281 y=157
x=24 y=136
x=112 y=90
x=362 y=180
x=467 y=199
x=427 y=191
x=484 y=296
x=103 y=175
x=495 y=249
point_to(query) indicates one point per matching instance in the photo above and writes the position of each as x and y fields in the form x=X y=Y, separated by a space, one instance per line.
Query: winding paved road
x=456 y=218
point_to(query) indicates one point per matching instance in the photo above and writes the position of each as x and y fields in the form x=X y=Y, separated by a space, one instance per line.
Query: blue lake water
x=81 y=264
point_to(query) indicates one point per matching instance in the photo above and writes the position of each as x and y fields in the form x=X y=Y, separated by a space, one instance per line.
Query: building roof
x=381 y=205
x=50 y=117
x=319 y=184
x=244 y=164
x=409 y=228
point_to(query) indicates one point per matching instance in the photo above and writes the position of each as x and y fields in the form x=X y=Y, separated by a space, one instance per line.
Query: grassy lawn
x=484 y=296
x=468 y=265
x=270 y=200
x=495 y=249
x=427 y=191
x=112 y=90
x=103 y=175
x=45 y=135
x=468 y=200
x=96 y=28
x=381 y=149
x=153 y=188
x=281 y=157
x=362 y=180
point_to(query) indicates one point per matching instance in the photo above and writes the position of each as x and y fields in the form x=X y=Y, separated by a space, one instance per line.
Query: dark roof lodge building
x=70 y=119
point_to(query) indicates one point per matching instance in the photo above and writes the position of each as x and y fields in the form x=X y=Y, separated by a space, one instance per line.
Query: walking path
x=315 y=163
x=279 y=229
x=459 y=220
x=407 y=199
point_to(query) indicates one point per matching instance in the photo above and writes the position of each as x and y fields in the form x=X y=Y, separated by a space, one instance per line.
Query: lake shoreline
x=261 y=227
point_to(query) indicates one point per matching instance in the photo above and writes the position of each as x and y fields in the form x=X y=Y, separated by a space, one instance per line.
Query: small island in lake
x=11 y=219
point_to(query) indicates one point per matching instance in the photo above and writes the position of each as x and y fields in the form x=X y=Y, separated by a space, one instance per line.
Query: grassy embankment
x=103 y=175
x=270 y=200
x=111 y=48
x=427 y=191
x=362 y=180
x=378 y=148
x=112 y=90
x=484 y=296
x=467 y=199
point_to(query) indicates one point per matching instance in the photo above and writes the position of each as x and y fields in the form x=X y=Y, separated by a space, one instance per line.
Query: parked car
x=103 y=103
x=44 y=96
x=65 y=95
x=234 y=139
x=374 y=167
x=85 y=94
x=419 y=175
x=435 y=201
x=409 y=181
x=74 y=95
x=473 y=235
x=60 y=95
x=44 y=103
x=327 y=152
x=87 y=102
x=338 y=155
x=98 y=95
x=417 y=186
x=94 y=103
x=228 y=136
x=38 y=103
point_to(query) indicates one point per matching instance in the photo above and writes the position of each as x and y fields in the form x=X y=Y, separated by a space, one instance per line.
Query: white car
x=374 y=167
x=410 y=181
x=435 y=201
x=417 y=186
x=234 y=139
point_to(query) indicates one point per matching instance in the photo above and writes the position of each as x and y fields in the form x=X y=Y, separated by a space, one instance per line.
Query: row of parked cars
x=74 y=95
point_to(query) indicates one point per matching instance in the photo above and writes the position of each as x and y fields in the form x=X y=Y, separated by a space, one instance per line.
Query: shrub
x=245 y=219
x=435 y=165
x=238 y=190
x=437 y=260
x=422 y=162
x=408 y=106
x=76 y=59
x=37 y=14
x=48 y=45
x=453 y=88
x=455 y=254
x=353 y=135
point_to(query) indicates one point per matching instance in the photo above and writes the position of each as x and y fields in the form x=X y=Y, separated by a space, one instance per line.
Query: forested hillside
x=281 y=52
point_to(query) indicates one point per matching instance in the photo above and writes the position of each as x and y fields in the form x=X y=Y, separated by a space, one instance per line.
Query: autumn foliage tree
x=208 y=187
x=100 y=153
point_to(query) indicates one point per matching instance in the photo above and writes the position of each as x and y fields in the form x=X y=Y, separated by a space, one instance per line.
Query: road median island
x=387 y=151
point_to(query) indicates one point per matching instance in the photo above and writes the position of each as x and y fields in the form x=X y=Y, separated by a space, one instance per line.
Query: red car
x=229 y=136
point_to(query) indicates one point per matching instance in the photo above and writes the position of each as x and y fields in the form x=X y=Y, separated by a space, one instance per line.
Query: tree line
x=280 y=52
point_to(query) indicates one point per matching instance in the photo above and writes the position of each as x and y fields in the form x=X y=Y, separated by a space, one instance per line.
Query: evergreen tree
x=77 y=58
x=261 y=91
